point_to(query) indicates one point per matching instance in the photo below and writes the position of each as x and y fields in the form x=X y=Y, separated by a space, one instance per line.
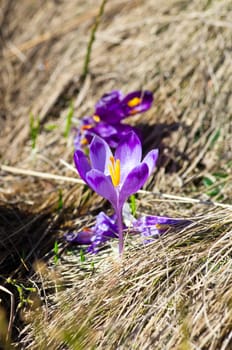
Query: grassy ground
x=174 y=293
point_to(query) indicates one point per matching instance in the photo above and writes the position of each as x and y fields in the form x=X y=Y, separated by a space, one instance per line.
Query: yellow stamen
x=112 y=160
x=114 y=169
x=134 y=102
x=96 y=118
x=84 y=142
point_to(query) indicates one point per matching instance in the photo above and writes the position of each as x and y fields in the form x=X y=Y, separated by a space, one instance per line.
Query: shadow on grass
x=153 y=136
x=24 y=239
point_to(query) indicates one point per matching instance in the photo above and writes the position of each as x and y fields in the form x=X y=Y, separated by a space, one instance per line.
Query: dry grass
x=176 y=292
x=172 y=294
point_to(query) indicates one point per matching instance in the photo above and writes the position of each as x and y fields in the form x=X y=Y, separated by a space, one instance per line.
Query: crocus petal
x=104 y=130
x=106 y=225
x=151 y=159
x=129 y=152
x=104 y=229
x=156 y=225
x=111 y=98
x=109 y=108
x=150 y=220
x=81 y=163
x=133 y=182
x=100 y=154
x=87 y=120
x=121 y=130
x=82 y=237
x=77 y=140
x=124 y=129
x=112 y=141
x=102 y=184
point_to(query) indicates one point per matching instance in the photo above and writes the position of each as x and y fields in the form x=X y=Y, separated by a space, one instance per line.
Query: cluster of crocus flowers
x=119 y=174
x=116 y=177
x=107 y=120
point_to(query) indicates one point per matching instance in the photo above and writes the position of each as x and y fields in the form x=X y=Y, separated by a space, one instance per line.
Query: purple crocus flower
x=113 y=107
x=154 y=226
x=110 y=110
x=116 y=177
x=104 y=229
x=137 y=102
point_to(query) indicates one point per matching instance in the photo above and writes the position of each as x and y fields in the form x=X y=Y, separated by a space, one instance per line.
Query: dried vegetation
x=176 y=292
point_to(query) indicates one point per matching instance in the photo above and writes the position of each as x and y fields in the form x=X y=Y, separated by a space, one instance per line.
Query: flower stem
x=120 y=231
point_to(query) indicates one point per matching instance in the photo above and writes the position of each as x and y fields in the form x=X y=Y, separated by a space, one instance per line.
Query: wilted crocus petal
x=104 y=229
x=137 y=102
x=106 y=226
x=153 y=226
x=83 y=237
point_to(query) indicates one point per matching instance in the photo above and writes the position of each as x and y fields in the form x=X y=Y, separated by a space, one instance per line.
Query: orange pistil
x=96 y=118
x=134 y=102
x=114 y=169
x=133 y=111
x=86 y=229
x=86 y=127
